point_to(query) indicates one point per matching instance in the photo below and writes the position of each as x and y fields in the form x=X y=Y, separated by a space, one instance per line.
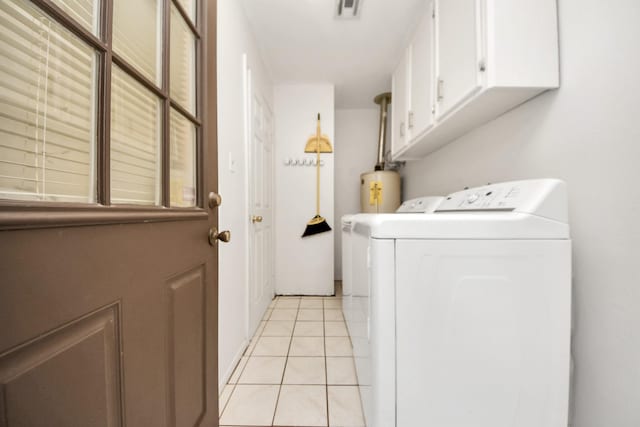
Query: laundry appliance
x=418 y=205
x=355 y=272
x=468 y=312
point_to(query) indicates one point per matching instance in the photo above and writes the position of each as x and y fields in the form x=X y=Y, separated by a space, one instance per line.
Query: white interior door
x=260 y=131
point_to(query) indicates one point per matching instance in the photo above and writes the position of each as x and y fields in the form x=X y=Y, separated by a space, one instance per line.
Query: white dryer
x=469 y=311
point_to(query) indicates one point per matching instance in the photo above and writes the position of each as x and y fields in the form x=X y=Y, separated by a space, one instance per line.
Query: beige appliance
x=379 y=192
x=380 y=189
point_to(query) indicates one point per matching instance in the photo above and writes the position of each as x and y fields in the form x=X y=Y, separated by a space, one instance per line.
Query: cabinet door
x=458 y=37
x=421 y=100
x=399 y=106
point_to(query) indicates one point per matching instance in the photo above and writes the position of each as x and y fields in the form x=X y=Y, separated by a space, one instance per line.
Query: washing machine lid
x=531 y=209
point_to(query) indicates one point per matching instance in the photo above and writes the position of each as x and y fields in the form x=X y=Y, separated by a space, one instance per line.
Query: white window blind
x=83 y=11
x=47 y=108
x=137 y=36
x=183 y=161
x=183 y=62
x=135 y=142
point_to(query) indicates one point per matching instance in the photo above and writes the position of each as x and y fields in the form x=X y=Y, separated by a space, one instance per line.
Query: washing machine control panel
x=425 y=204
x=523 y=196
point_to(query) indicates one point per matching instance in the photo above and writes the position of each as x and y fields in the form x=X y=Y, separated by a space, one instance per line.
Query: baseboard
x=229 y=371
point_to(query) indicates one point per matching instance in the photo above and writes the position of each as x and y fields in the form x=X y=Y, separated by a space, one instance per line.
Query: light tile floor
x=297 y=371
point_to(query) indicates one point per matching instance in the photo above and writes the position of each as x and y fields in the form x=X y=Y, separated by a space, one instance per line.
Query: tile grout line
x=234 y=385
x=286 y=361
x=326 y=368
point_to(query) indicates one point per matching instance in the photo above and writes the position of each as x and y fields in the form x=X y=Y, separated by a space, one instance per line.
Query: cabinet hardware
x=440 y=93
x=410 y=120
x=482 y=66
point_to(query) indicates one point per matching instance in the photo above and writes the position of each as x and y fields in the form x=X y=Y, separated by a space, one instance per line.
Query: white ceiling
x=302 y=41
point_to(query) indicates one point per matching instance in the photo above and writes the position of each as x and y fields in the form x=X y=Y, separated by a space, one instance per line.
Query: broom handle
x=318 y=167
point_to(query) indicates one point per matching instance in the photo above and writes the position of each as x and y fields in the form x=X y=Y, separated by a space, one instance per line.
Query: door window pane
x=86 y=12
x=47 y=108
x=183 y=161
x=137 y=35
x=183 y=62
x=135 y=142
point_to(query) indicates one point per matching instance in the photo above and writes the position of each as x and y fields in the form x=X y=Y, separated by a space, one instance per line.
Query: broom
x=317 y=224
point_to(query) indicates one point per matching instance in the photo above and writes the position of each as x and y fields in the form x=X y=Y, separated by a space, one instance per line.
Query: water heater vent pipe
x=383 y=100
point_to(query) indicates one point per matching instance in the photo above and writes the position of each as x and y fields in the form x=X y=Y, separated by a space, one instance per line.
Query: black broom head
x=315 y=226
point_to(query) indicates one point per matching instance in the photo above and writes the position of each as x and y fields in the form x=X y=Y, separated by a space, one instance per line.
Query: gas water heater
x=380 y=189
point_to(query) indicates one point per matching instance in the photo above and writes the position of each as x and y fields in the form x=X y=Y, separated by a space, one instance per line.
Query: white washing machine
x=469 y=311
x=347 y=223
x=418 y=205
x=355 y=276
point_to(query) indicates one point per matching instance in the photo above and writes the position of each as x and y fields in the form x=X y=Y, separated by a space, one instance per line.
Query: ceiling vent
x=348 y=9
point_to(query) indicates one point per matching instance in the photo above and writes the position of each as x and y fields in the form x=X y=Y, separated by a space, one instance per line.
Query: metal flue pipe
x=383 y=100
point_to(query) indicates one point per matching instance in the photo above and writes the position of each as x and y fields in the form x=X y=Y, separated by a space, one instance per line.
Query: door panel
x=168 y=321
x=260 y=132
x=186 y=346
x=70 y=376
x=457 y=39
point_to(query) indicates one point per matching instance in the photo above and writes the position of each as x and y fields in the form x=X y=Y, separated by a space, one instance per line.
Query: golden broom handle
x=318 y=167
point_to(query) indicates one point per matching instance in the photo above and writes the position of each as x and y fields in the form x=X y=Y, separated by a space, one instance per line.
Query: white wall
x=303 y=266
x=356 y=153
x=587 y=133
x=235 y=40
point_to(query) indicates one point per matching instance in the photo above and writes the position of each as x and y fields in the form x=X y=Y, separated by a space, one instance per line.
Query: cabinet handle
x=440 y=90
x=410 y=120
x=401 y=128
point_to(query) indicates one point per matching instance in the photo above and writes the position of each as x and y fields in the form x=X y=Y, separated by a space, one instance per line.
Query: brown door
x=108 y=281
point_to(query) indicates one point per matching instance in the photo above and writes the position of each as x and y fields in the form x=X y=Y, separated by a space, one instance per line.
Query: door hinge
x=439 y=94
x=410 y=120
x=482 y=66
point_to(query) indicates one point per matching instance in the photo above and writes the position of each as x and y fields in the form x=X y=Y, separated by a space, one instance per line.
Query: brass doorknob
x=214 y=235
x=256 y=218
x=215 y=200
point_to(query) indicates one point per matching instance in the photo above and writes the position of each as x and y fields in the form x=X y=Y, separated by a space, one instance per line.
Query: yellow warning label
x=375 y=193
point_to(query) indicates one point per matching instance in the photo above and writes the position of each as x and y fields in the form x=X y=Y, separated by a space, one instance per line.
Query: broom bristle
x=315 y=226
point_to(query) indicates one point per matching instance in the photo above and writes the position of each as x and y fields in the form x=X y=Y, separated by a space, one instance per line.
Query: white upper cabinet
x=399 y=90
x=421 y=83
x=458 y=33
x=468 y=62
